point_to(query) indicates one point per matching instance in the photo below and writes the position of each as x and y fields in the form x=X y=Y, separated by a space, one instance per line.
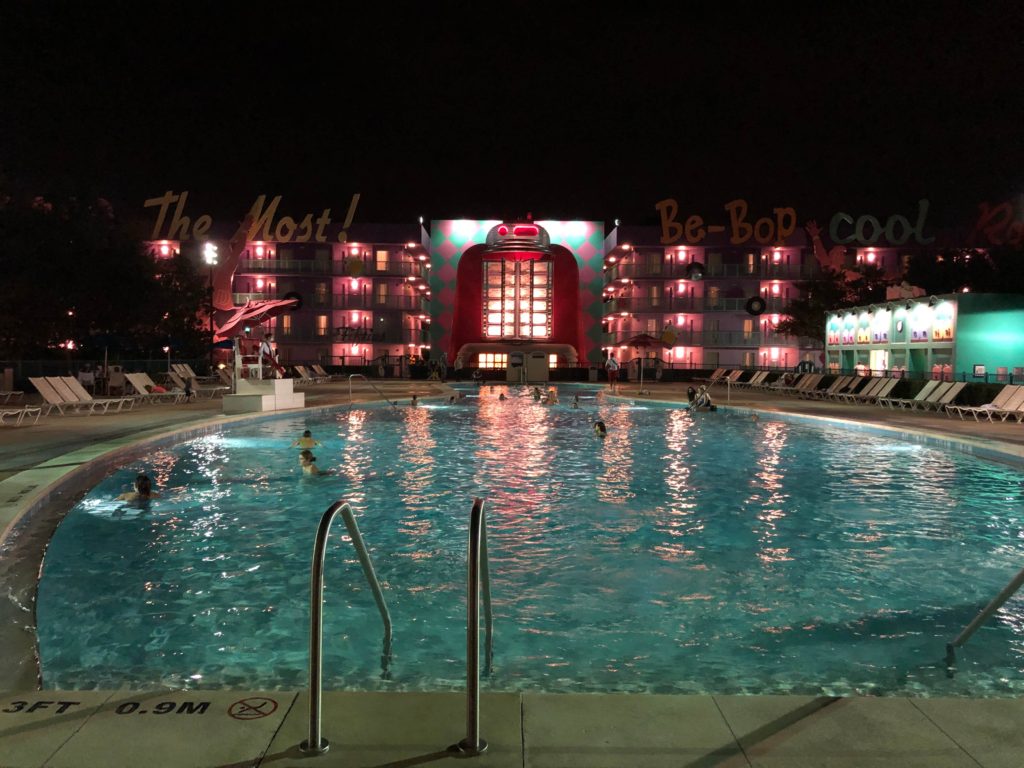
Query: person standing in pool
x=600 y=429
x=143 y=490
x=308 y=463
x=306 y=442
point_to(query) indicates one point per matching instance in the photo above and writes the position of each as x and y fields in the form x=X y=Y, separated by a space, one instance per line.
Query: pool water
x=684 y=553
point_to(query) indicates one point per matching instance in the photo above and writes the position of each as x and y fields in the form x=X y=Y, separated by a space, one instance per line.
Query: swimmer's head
x=307 y=457
x=307 y=433
x=143 y=486
x=600 y=428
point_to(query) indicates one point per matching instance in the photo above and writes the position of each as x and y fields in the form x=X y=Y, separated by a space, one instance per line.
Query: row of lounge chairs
x=935 y=395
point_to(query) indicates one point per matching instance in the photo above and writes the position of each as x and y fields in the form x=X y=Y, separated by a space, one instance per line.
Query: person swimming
x=600 y=429
x=536 y=393
x=451 y=400
x=143 y=490
x=308 y=463
x=306 y=441
x=502 y=396
x=415 y=401
x=551 y=398
x=575 y=401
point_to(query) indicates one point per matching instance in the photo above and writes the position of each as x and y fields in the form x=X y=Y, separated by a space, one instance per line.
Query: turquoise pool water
x=684 y=553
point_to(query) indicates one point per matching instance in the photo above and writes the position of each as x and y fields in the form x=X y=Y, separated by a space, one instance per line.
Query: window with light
x=517 y=299
x=492 y=360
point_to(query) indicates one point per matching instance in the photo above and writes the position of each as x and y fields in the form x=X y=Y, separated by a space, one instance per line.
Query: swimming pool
x=703 y=553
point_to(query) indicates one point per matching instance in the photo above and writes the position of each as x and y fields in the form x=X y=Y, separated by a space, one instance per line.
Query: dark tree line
x=72 y=272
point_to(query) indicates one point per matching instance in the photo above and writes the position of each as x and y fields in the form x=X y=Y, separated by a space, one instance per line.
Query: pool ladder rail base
x=997 y=602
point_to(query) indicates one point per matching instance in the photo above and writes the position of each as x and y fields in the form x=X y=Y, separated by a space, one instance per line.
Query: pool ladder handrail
x=375 y=389
x=997 y=602
x=479 y=577
x=316 y=744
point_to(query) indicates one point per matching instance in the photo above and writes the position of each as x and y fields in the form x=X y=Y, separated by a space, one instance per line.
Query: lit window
x=492 y=360
x=286 y=325
x=321 y=325
x=552 y=361
x=521 y=290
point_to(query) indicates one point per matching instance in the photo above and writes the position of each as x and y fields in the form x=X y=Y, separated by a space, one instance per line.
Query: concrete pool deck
x=243 y=728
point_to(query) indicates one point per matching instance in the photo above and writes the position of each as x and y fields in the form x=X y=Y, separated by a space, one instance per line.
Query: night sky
x=452 y=110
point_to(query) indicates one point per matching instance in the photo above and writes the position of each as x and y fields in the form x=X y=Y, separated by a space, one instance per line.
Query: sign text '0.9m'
x=284 y=230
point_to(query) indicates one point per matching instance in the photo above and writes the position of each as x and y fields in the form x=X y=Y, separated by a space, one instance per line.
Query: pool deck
x=80 y=729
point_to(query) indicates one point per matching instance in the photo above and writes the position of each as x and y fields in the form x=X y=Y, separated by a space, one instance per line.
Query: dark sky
x=450 y=110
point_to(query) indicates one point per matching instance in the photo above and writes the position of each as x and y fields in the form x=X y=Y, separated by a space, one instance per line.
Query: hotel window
x=382 y=261
x=492 y=360
x=321 y=325
x=751 y=263
x=321 y=293
x=382 y=293
x=711 y=300
x=552 y=361
x=517 y=299
x=748 y=329
x=655 y=296
x=286 y=325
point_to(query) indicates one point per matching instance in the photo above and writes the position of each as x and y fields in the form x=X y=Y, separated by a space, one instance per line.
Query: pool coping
x=75 y=475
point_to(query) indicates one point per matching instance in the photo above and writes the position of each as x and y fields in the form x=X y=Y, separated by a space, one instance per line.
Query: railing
x=281 y=266
x=375 y=389
x=667 y=304
x=772 y=304
x=678 y=271
x=338 y=268
x=479 y=576
x=719 y=339
x=412 y=302
x=241 y=298
x=316 y=744
x=1015 y=583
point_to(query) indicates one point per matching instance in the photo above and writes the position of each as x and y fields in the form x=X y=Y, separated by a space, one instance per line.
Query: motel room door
x=536 y=367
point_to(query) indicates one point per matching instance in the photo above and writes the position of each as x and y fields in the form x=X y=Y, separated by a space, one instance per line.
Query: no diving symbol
x=252 y=708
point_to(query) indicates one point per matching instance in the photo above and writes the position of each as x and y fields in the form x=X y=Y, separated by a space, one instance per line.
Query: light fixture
x=210 y=254
x=932 y=301
x=618 y=222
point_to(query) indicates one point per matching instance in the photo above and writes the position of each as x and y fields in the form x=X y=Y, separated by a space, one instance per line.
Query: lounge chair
x=5 y=396
x=714 y=377
x=63 y=386
x=306 y=377
x=905 y=402
x=319 y=371
x=999 y=402
x=881 y=390
x=51 y=397
x=866 y=386
x=836 y=386
x=946 y=398
x=755 y=380
x=209 y=391
x=126 y=402
x=141 y=383
x=57 y=395
x=18 y=415
x=806 y=382
x=1013 y=407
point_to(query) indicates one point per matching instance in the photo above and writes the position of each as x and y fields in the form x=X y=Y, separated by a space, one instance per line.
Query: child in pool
x=306 y=442
x=143 y=490
x=600 y=429
x=308 y=463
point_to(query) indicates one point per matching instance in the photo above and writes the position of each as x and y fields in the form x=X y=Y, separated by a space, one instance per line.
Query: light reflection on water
x=682 y=553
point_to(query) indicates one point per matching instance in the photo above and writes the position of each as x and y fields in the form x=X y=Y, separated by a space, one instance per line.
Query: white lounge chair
x=836 y=386
x=946 y=398
x=73 y=399
x=84 y=396
x=141 y=383
x=5 y=396
x=17 y=415
x=319 y=371
x=998 y=403
x=201 y=390
x=905 y=402
x=307 y=377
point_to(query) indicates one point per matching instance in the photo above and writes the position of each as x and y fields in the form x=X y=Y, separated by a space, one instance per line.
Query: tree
x=73 y=272
x=831 y=289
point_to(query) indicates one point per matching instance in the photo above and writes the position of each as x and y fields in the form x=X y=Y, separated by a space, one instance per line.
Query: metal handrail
x=316 y=744
x=361 y=376
x=479 y=575
x=981 y=618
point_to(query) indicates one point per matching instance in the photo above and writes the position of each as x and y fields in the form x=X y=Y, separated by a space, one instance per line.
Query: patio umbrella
x=645 y=340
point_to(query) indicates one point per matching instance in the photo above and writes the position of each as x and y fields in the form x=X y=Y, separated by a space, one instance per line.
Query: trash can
x=593 y=375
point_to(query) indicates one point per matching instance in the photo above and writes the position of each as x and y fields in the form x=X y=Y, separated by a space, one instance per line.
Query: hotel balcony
x=774 y=304
x=662 y=304
x=741 y=339
x=241 y=298
x=326 y=267
x=417 y=303
x=675 y=271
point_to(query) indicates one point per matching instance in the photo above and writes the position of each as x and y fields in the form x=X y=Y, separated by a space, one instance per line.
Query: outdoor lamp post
x=210 y=257
x=167 y=351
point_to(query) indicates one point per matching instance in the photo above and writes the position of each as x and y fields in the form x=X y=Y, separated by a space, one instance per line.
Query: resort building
x=966 y=336
x=527 y=296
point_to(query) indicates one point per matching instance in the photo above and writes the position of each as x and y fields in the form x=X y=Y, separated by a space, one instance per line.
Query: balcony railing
x=667 y=304
x=764 y=269
x=773 y=304
x=413 y=303
x=741 y=339
x=344 y=268
x=241 y=298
